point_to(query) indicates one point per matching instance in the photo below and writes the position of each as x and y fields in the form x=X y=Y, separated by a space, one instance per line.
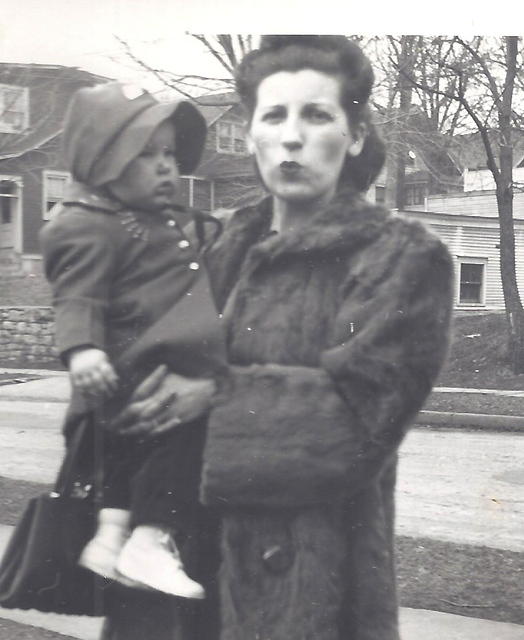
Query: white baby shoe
x=151 y=558
x=101 y=552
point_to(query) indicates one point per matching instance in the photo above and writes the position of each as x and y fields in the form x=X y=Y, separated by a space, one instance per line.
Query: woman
x=337 y=317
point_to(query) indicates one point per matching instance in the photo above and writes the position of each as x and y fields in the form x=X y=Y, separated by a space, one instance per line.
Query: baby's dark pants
x=158 y=480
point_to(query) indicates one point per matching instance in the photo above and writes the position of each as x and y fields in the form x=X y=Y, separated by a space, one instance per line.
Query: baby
x=129 y=295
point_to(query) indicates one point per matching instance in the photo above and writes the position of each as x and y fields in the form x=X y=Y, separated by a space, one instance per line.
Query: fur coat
x=336 y=333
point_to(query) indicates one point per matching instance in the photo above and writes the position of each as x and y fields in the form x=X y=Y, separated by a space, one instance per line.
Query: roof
x=482 y=204
x=444 y=155
x=223 y=98
x=469 y=151
x=214 y=105
x=37 y=67
x=456 y=219
x=212 y=113
x=417 y=133
x=31 y=142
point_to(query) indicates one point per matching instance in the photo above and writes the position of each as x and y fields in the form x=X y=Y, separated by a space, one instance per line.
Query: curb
x=486 y=421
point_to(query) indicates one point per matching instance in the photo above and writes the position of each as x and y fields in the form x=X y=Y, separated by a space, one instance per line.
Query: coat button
x=276 y=559
x=171 y=223
x=194 y=266
x=183 y=244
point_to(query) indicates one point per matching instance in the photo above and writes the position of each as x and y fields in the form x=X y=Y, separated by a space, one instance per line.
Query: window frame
x=5 y=127
x=466 y=260
x=51 y=173
x=235 y=129
x=18 y=211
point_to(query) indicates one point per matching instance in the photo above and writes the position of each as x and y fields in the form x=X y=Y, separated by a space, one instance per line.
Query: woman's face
x=300 y=135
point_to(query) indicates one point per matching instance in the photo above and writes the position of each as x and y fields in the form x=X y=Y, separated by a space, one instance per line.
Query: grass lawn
x=479 y=582
x=24 y=290
x=10 y=630
x=478 y=355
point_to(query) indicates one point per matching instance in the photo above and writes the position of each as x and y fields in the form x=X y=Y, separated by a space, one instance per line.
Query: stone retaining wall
x=26 y=334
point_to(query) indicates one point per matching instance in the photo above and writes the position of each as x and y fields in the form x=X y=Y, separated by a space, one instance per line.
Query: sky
x=82 y=32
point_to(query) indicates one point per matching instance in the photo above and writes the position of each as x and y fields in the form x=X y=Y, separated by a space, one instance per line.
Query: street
x=459 y=486
x=463 y=487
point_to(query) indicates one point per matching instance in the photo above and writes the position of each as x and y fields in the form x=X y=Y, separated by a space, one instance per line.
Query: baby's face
x=151 y=181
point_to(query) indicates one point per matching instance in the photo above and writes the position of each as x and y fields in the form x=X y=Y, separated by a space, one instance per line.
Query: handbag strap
x=76 y=449
x=200 y=218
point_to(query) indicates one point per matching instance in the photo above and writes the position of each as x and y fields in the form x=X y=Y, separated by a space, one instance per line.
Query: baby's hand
x=92 y=373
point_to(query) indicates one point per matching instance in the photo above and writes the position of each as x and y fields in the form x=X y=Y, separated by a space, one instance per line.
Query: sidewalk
x=415 y=623
x=54 y=387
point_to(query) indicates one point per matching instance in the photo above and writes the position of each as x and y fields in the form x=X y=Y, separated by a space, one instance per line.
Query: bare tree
x=227 y=49
x=484 y=76
x=453 y=82
x=411 y=119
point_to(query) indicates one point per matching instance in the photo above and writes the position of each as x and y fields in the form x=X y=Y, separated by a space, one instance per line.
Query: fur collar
x=350 y=220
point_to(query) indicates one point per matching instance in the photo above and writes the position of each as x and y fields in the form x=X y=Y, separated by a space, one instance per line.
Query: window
x=415 y=194
x=230 y=138
x=380 y=194
x=8 y=194
x=471 y=281
x=14 y=108
x=54 y=184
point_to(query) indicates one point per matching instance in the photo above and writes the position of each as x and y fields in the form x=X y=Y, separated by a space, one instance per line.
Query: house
x=467 y=221
x=33 y=100
x=469 y=152
x=468 y=224
x=436 y=192
x=225 y=177
x=418 y=162
x=441 y=183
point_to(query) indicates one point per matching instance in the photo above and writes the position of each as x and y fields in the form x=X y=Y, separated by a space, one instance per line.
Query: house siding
x=478 y=240
x=235 y=193
x=30 y=168
x=32 y=211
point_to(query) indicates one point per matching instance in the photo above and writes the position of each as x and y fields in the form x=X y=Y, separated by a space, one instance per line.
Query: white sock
x=113 y=525
x=146 y=534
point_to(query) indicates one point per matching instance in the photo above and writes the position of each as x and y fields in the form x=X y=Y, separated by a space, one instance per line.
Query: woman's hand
x=163 y=401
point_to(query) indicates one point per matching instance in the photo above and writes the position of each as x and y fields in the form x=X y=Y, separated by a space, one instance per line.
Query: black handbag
x=39 y=568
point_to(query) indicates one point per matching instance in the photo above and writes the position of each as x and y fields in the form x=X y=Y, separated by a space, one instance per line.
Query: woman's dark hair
x=335 y=56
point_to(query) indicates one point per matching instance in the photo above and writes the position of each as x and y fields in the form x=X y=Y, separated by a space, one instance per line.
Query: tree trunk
x=504 y=182
x=512 y=301
x=406 y=63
